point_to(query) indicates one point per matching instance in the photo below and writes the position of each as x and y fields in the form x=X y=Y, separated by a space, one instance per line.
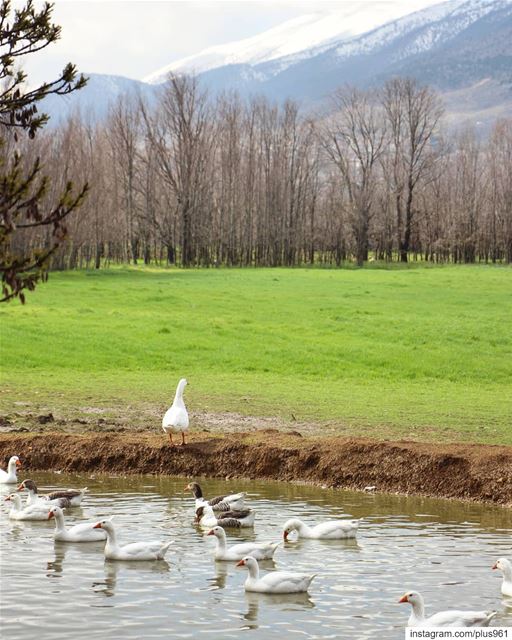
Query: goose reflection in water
x=62 y=549
x=107 y=587
x=283 y=601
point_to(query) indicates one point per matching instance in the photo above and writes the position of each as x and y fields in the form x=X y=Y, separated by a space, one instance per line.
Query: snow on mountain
x=295 y=39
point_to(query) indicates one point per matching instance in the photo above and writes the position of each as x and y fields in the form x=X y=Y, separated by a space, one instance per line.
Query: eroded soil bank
x=471 y=472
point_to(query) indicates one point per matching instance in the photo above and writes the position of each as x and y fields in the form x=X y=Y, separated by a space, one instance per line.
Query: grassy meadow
x=418 y=352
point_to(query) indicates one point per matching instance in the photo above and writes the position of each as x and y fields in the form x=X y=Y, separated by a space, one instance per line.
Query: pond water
x=55 y=590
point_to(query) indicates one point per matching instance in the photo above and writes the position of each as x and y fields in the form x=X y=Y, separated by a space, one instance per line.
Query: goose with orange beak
x=274 y=581
x=505 y=567
x=9 y=476
x=331 y=530
x=83 y=532
x=19 y=512
x=134 y=551
x=239 y=551
x=452 y=618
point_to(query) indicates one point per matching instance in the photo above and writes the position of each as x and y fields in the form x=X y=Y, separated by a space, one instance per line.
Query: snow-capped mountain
x=461 y=47
x=299 y=37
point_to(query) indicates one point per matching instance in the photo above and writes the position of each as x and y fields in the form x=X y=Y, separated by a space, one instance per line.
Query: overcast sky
x=133 y=38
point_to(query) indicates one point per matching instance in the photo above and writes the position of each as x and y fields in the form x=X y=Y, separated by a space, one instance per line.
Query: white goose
x=175 y=419
x=9 y=476
x=19 y=512
x=62 y=498
x=218 y=503
x=133 y=551
x=83 y=532
x=274 y=581
x=443 y=618
x=206 y=517
x=239 y=551
x=505 y=567
x=331 y=530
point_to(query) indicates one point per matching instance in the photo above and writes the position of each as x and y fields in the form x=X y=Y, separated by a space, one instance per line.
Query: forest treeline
x=196 y=180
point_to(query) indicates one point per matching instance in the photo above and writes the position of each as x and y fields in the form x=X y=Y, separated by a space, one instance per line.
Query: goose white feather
x=451 y=618
x=83 y=532
x=331 y=530
x=239 y=551
x=133 y=551
x=206 y=517
x=175 y=419
x=31 y=512
x=274 y=581
x=9 y=476
x=505 y=566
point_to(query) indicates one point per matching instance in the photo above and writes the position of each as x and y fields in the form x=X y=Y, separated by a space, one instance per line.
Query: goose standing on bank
x=205 y=517
x=83 y=532
x=239 y=551
x=175 y=419
x=505 y=567
x=9 y=476
x=31 y=512
x=62 y=498
x=274 y=581
x=443 y=618
x=133 y=551
x=229 y=502
x=331 y=530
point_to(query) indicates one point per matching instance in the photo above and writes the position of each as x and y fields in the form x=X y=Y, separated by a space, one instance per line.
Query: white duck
x=9 y=476
x=331 y=530
x=274 y=581
x=19 y=512
x=206 y=517
x=62 y=498
x=229 y=502
x=443 y=618
x=505 y=567
x=133 y=551
x=175 y=419
x=239 y=551
x=83 y=532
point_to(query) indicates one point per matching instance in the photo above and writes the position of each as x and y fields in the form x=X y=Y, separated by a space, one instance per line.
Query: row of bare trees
x=192 y=180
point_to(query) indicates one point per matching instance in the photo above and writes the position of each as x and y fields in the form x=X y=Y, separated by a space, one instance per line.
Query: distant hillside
x=461 y=47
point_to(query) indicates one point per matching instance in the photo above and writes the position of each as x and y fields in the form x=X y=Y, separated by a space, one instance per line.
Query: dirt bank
x=472 y=472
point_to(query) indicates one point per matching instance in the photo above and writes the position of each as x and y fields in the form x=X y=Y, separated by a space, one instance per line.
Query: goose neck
x=418 y=610
x=507 y=571
x=221 y=541
x=254 y=570
x=59 y=520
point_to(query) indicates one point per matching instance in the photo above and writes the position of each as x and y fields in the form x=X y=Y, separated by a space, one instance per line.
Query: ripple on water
x=53 y=590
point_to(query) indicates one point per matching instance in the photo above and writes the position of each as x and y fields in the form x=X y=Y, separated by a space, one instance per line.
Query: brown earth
x=470 y=472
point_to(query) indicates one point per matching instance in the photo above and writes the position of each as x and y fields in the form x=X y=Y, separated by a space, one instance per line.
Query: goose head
x=218 y=532
x=248 y=562
x=15 y=499
x=181 y=385
x=195 y=488
x=412 y=597
x=503 y=565
x=28 y=485
x=54 y=512
x=14 y=461
x=288 y=527
x=108 y=525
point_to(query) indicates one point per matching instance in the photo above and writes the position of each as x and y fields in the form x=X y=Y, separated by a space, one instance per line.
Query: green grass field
x=416 y=352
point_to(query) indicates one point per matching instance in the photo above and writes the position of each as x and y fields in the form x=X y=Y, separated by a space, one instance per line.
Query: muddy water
x=56 y=590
